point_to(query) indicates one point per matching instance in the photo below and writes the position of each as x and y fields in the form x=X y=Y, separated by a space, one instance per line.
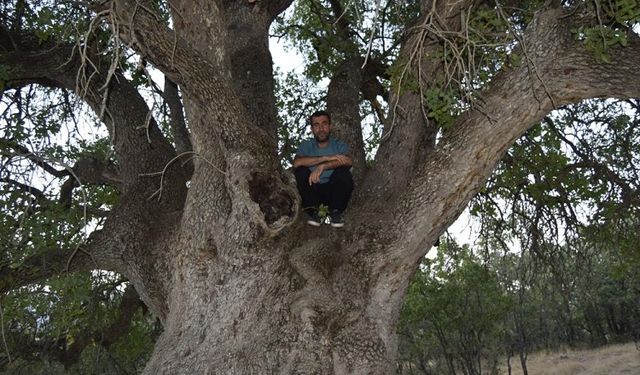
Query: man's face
x=321 y=128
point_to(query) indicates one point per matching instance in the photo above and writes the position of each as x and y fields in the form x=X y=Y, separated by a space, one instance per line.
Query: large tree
x=205 y=223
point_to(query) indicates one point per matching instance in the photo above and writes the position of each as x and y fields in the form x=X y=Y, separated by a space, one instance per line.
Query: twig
x=599 y=16
x=147 y=122
x=4 y=338
x=530 y=63
x=73 y=255
x=164 y=170
x=373 y=30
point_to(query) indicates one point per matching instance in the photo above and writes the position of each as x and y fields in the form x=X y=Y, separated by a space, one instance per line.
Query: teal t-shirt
x=310 y=148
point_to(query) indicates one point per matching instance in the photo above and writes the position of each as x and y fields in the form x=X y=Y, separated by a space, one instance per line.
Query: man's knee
x=342 y=176
x=302 y=174
x=343 y=172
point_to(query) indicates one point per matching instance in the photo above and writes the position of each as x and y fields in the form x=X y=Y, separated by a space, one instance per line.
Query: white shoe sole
x=337 y=225
x=313 y=223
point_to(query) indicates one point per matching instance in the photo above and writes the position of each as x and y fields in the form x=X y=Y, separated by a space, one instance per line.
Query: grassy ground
x=621 y=359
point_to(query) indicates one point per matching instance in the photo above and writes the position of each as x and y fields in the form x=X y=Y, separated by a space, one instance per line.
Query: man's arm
x=327 y=161
x=335 y=162
x=308 y=161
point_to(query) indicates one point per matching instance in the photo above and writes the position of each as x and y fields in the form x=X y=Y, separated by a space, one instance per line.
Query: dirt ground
x=621 y=359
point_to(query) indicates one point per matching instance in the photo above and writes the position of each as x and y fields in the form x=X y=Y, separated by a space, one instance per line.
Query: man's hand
x=314 y=177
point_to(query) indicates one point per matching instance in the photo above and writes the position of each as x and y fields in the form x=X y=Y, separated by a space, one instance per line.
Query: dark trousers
x=335 y=193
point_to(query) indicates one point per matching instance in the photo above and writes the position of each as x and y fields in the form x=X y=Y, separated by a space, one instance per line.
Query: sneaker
x=337 y=220
x=313 y=218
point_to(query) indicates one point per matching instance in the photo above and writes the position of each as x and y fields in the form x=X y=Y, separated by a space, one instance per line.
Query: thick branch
x=560 y=71
x=125 y=245
x=349 y=79
x=89 y=170
x=247 y=45
x=139 y=145
x=343 y=100
x=408 y=134
x=342 y=21
x=274 y=8
x=134 y=239
x=222 y=134
x=178 y=124
x=240 y=53
x=199 y=79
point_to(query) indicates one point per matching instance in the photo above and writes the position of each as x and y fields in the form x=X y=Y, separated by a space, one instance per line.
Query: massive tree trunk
x=242 y=286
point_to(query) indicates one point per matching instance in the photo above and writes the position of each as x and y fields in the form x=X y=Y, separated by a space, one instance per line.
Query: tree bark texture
x=240 y=284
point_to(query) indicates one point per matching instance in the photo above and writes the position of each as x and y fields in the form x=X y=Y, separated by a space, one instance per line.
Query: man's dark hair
x=318 y=114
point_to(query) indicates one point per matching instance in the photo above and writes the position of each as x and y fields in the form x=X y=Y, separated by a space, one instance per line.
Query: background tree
x=201 y=217
x=452 y=320
x=563 y=247
x=573 y=216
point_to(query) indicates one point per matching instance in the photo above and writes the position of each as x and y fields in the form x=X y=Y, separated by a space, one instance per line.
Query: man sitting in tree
x=322 y=168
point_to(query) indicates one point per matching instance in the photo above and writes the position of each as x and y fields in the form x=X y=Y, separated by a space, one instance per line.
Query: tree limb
x=236 y=160
x=139 y=145
x=178 y=123
x=48 y=263
x=25 y=152
x=343 y=102
x=478 y=140
x=87 y=170
x=199 y=78
x=37 y=194
x=109 y=335
x=409 y=135
x=45 y=203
